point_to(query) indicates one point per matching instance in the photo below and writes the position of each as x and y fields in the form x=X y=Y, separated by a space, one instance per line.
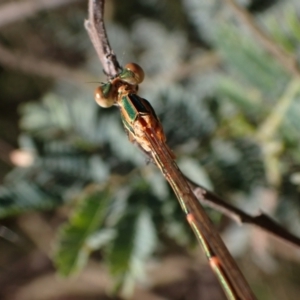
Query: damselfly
x=144 y=129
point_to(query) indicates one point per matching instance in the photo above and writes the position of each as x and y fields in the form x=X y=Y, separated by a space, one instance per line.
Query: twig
x=288 y=61
x=97 y=33
x=30 y=64
x=271 y=124
x=17 y=11
x=290 y=64
x=261 y=221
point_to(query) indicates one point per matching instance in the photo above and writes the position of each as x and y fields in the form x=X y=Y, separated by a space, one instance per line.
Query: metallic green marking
x=126 y=73
x=106 y=88
x=127 y=125
x=129 y=108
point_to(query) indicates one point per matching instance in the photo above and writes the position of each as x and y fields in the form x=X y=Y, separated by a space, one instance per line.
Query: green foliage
x=135 y=241
x=135 y=234
x=97 y=223
x=28 y=190
x=246 y=60
x=287 y=33
x=216 y=114
x=73 y=247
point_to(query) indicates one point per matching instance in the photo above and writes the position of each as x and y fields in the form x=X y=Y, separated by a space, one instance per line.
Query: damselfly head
x=132 y=74
x=105 y=95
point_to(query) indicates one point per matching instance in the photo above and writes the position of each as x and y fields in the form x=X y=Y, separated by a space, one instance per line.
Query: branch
x=17 y=11
x=96 y=30
x=261 y=221
x=29 y=64
x=97 y=33
x=288 y=62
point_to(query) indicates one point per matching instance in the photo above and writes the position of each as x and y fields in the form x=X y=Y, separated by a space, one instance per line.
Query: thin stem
x=261 y=221
x=97 y=33
x=287 y=60
x=272 y=123
x=17 y=11
x=30 y=64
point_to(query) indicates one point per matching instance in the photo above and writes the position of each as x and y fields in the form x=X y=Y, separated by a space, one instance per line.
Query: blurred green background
x=77 y=197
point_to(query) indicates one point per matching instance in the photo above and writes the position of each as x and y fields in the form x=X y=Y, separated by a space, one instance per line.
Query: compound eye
x=132 y=74
x=104 y=95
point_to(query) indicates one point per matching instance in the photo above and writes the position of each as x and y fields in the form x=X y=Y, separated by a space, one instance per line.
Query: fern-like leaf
x=134 y=243
x=73 y=248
